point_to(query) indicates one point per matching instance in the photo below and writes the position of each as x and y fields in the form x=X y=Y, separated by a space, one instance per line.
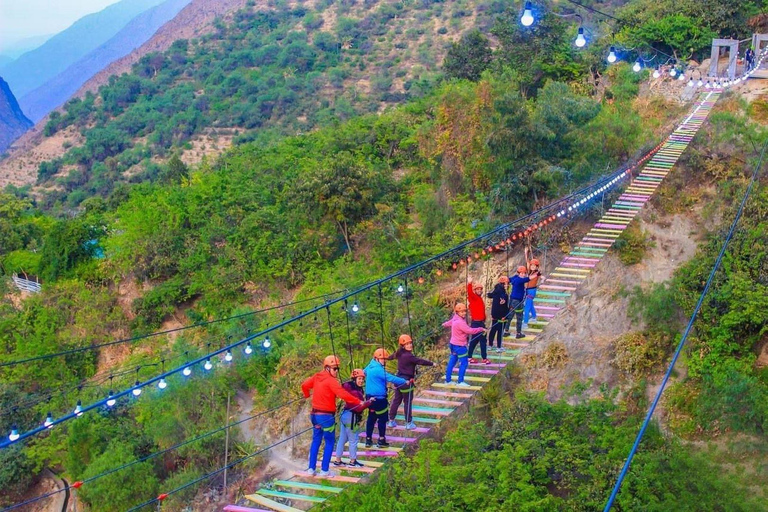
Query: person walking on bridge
x=499 y=311
x=376 y=379
x=325 y=388
x=406 y=368
x=350 y=420
x=517 y=297
x=460 y=332
x=477 y=317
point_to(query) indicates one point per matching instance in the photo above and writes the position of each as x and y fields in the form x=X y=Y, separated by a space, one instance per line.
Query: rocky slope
x=12 y=120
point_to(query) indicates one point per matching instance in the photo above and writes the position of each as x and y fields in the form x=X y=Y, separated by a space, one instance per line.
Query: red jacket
x=326 y=389
x=476 y=304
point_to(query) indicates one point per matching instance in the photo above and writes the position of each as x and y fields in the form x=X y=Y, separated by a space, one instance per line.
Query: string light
x=527 y=18
x=355 y=307
x=266 y=343
x=612 y=55
x=78 y=408
x=111 y=399
x=208 y=364
x=136 y=389
x=14 y=435
x=681 y=77
x=248 y=349
x=673 y=72
x=400 y=288
x=161 y=384
x=48 y=423
x=187 y=371
x=580 y=41
x=228 y=356
x=637 y=66
x=656 y=73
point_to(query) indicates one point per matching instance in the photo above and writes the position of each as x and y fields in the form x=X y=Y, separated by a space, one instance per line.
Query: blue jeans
x=347 y=434
x=458 y=355
x=530 y=310
x=324 y=429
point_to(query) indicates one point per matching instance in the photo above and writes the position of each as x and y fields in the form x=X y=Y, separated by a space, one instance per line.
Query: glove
x=410 y=382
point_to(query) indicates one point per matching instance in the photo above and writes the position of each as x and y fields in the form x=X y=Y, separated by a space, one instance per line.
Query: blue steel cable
x=687 y=331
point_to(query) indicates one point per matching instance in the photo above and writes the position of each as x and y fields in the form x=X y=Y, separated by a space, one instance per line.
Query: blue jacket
x=376 y=378
x=518 y=287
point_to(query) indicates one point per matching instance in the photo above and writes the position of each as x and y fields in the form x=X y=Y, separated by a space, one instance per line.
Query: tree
x=175 y=172
x=469 y=57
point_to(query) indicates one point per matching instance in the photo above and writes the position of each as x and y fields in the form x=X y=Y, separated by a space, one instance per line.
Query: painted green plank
x=304 y=485
x=290 y=496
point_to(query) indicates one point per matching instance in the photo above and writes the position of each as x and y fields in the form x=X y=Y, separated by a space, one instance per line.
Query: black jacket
x=500 y=304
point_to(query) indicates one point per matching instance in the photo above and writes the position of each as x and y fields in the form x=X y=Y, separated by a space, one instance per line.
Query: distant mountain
x=12 y=120
x=5 y=60
x=39 y=102
x=18 y=48
x=36 y=67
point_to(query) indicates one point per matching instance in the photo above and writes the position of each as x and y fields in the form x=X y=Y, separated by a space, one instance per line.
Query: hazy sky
x=20 y=19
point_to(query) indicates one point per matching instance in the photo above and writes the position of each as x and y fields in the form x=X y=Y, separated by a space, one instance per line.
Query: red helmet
x=357 y=372
x=521 y=268
x=504 y=280
x=380 y=353
x=331 y=361
x=534 y=261
x=404 y=340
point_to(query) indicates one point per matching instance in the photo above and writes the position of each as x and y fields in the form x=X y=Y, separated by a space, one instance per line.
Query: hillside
x=36 y=67
x=12 y=120
x=53 y=93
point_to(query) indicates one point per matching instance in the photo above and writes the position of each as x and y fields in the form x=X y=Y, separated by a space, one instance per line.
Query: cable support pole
x=349 y=341
x=330 y=333
x=687 y=331
x=560 y=204
x=381 y=315
x=408 y=309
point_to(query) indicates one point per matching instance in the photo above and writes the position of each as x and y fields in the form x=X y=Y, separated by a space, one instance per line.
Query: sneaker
x=519 y=335
x=337 y=463
x=355 y=464
x=473 y=360
x=410 y=426
x=368 y=442
x=486 y=361
x=382 y=443
x=499 y=350
x=392 y=424
x=534 y=319
x=525 y=327
x=462 y=385
x=310 y=472
x=449 y=383
x=326 y=474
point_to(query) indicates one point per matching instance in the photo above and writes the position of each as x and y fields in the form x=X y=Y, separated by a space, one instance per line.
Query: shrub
x=632 y=244
x=639 y=353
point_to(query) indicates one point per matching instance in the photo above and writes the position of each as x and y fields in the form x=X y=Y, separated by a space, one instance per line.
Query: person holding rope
x=325 y=388
x=499 y=311
x=376 y=381
x=406 y=368
x=534 y=274
x=460 y=332
x=477 y=317
x=517 y=297
x=350 y=419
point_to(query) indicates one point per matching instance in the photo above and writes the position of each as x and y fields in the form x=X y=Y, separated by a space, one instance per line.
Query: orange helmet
x=380 y=353
x=331 y=361
x=357 y=372
x=521 y=268
x=404 y=340
x=504 y=280
x=534 y=261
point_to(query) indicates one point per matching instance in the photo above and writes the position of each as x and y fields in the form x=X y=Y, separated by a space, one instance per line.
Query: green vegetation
x=632 y=244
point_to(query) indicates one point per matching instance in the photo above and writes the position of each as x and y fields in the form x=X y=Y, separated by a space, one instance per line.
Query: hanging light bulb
x=14 y=435
x=681 y=77
x=527 y=18
x=187 y=371
x=580 y=41
x=228 y=356
x=612 y=55
x=690 y=82
x=400 y=288
x=707 y=85
x=248 y=349
x=136 y=389
x=656 y=73
x=48 y=423
x=161 y=384
x=79 y=408
x=673 y=72
x=355 y=308
x=699 y=83
x=208 y=365
x=111 y=399
x=637 y=66
x=266 y=343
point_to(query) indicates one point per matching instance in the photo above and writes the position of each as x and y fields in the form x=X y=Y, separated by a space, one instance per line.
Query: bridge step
x=272 y=504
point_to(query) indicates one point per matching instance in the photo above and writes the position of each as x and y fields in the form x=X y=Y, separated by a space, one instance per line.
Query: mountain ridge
x=13 y=122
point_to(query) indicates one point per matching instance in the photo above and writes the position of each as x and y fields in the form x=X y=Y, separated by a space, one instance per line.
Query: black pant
x=497 y=330
x=377 y=413
x=478 y=338
x=403 y=395
x=516 y=309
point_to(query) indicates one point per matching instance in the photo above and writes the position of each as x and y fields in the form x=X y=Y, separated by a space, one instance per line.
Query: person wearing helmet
x=350 y=419
x=477 y=317
x=325 y=389
x=406 y=368
x=534 y=274
x=460 y=333
x=517 y=297
x=499 y=311
x=376 y=379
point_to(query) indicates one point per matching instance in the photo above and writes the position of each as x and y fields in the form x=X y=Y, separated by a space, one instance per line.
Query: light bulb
x=208 y=365
x=355 y=308
x=48 y=423
x=527 y=18
x=161 y=384
x=228 y=356
x=266 y=343
x=673 y=72
x=681 y=77
x=612 y=55
x=248 y=349
x=400 y=288
x=699 y=83
x=137 y=389
x=79 y=408
x=14 y=435
x=656 y=73
x=707 y=86
x=690 y=82
x=187 y=371
x=110 y=399
x=580 y=41
x=637 y=66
